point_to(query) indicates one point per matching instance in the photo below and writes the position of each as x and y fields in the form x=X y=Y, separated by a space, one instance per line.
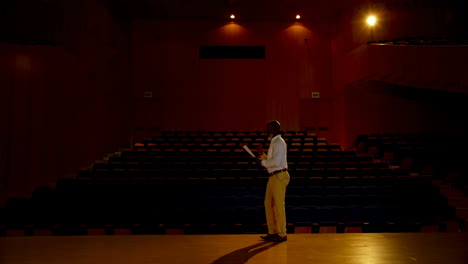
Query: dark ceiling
x=220 y=9
x=44 y=20
x=213 y=9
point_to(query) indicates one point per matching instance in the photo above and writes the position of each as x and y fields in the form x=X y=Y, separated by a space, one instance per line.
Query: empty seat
x=327 y=229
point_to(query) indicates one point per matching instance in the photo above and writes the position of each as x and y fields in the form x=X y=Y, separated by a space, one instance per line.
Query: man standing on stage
x=277 y=167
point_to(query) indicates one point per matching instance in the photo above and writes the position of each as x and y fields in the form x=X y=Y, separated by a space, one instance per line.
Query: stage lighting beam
x=371 y=21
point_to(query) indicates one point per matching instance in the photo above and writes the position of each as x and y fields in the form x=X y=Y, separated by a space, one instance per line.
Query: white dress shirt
x=276 y=155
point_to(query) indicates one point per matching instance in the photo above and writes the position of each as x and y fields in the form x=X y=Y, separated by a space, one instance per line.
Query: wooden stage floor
x=369 y=248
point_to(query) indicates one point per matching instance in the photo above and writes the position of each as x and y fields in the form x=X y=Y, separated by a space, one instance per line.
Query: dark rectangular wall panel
x=232 y=52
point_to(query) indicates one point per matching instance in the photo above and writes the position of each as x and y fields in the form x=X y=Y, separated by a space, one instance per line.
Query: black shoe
x=269 y=236
x=278 y=239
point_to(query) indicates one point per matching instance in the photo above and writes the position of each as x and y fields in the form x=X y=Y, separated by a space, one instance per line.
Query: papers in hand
x=248 y=150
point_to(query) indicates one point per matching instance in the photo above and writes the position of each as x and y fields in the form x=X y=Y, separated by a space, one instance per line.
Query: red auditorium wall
x=376 y=107
x=364 y=107
x=190 y=93
x=62 y=106
x=406 y=89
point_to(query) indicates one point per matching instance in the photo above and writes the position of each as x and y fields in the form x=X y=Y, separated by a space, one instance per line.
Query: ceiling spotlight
x=371 y=20
x=232 y=16
x=298 y=16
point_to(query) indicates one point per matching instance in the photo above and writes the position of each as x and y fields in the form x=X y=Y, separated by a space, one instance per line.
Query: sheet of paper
x=248 y=150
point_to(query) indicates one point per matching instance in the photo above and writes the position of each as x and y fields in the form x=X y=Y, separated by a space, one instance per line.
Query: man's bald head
x=275 y=124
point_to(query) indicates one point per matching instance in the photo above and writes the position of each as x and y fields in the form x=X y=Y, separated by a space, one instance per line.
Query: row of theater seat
x=202 y=133
x=183 y=141
x=232 y=163
x=151 y=159
x=161 y=157
x=238 y=173
x=294 y=150
x=418 y=153
x=218 y=202
x=398 y=141
x=238 y=153
x=174 y=229
x=241 y=215
x=172 y=140
x=323 y=157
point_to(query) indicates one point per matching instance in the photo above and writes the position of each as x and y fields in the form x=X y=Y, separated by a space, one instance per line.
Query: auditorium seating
x=417 y=153
x=203 y=182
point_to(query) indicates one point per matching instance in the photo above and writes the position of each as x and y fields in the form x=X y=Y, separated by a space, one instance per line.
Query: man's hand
x=258 y=159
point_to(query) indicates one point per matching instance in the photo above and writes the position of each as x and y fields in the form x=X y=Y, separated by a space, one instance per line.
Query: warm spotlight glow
x=232 y=16
x=371 y=20
x=298 y=16
x=232 y=32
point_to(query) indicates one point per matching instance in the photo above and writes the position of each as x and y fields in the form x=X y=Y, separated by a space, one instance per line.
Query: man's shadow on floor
x=243 y=255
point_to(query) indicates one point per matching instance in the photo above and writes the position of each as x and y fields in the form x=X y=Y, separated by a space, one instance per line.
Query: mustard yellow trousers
x=274 y=203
